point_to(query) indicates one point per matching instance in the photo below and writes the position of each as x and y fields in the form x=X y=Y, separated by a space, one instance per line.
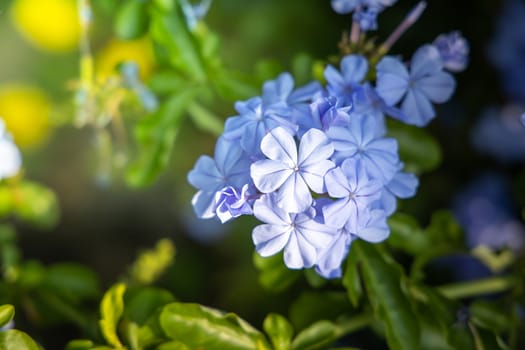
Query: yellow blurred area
x=116 y=51
x=51 y=25
x=25 y=110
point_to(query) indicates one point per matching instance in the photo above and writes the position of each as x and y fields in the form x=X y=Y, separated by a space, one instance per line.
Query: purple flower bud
x=454 y=50
x=231 y=203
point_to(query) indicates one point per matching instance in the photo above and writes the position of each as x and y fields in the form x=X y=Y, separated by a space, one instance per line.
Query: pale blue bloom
x=299 y=235
x=229 y=167
x=291 y=173
x=346 y=6
x=232 y=203
x=454 y=50
x=403 y=185
x=330 y=259
x=321 y=114
x=10 y=157
x=356 y=192
x=379 y=155
x=426 y=83
x=342 y=84
x=367 y=18
x=282 y=90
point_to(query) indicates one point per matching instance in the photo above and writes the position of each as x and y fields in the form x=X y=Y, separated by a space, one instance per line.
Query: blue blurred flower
x=454 y=50
x=425 y=83
x=10 y=158
x=342 y=84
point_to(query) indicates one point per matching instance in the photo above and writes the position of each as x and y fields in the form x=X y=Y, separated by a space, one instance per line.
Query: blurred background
x=104 y=223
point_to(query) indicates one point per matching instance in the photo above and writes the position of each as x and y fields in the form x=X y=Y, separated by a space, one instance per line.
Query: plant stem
x=478 y=287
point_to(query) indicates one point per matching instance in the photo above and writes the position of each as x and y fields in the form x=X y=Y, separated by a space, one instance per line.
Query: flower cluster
x=10 y=159
x=314 y=163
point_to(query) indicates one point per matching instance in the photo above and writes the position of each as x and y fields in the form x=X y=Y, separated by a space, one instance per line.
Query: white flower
x=10 y=158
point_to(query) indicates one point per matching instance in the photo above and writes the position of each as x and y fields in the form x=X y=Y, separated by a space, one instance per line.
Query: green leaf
x=169 y=30
x=317 y=336
x=141 y=304
x=131 y=20
x=172 y=345
x=36 y=205
x=156 y=136
x=279 y=330
x=205 y=120
x=80 y=344
x=417 y=148
x=407 y=235
x=312 y=306
x=201 y=327
x=74 y=280
x=490 y=315
x=17 y=340
x=274 y=275
x=352 y=279
x=382 y=280
x=7 y=312
x=6 y=201
x=111 y=309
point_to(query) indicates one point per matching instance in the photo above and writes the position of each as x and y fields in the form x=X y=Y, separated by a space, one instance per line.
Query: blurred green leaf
x=382 y=280
x=142 y=303
x=6 y=201
x=417 y=148
x=36 y=205
x=80 y=344
x=156 y=135
x=302 y=68
x=407 y=235
x=74 y=280
x=7 y=312
x=490 y=315
x=172 y=345
x=352 y=279
x=316 y=336
x=279 y=330
x=169 y=30
x=131 y=20
x=111 y=309
x=205 y=120
x=201 y=327
x=17 y=340
x=273 y=274
x=312 y=306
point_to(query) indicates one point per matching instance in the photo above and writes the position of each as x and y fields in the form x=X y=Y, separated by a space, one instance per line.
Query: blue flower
x=454 y=50
x=299 y=235
x=426 y=83
x=367 y=18
x=346 y=6
x=230 y=167
x=378 y=155
x=356 y=193
x=282 y=90
x=292 y=174
x=321 y=114
x=403 y=185
x=343 y=84
x=232 y=203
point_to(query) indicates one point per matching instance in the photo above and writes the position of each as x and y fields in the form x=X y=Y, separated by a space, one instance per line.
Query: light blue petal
x=338 y=213
x=251 y=137
x=337 y=183
x=354 y=68
x=294 y=195
x=317 y=234
x=342 y=139
x=417 y=108
x=438 y=87
x=280 y=146
x=305 y=93
x=204 y=204
x=278 y=90
x=392 y=80
x=268 y=175
x=403 y=185
x=270 y=239
x=333 y=77
x=425 y=61
x=227 y=155
x=376 y=229
x=313 y=174
x=344 y=7
x=314 y=147
x=205 y=175
x=329 y=259
x=299 y=254
x=266 y=211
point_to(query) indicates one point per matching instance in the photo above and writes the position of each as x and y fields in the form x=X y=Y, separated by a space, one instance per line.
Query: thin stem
x=409 y=20
x=356 y=29
x=478 y=287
